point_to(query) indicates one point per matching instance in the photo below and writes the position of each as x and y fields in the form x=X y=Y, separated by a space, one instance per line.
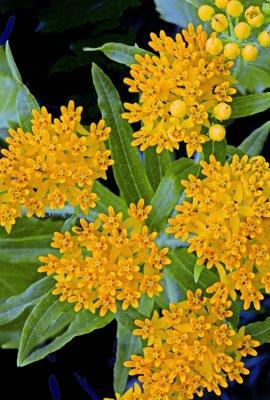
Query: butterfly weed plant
x=185 y=246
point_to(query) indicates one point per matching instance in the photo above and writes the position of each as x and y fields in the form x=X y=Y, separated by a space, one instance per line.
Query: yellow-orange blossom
x=107 y=260
x=226 y=221
x=179 y=91
x=53 y=165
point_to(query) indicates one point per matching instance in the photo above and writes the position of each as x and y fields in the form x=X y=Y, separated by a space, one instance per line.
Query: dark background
x=47 y=41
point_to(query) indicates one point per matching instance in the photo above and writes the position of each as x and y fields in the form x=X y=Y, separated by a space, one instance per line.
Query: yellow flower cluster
x=54 y=164
x=133 y=393
x=107 y=260
x=189 y=350
x=238 y=28
x=183 y=91
x=226 y=221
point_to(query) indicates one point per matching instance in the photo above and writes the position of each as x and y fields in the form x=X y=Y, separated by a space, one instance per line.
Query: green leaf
x=259 y=331
x=48 y=318
x=234 y=319
x=251 y=104
x=198 y=269
x=146 y=305
x=231 y=150
x=180 y=12
x=108 y=198
x=16 y=102
x=126 y=318
x=172 y=293
x=170 y=188
x=66 y=14
x=127 y=344
x=254 y=143
x=15 y=305
x=10 y=333
x=19 y=252
x=128 y=169
x=11 y=64
x=119 y=52
x=253 y=77
x=218 y=149
x=25 y=104
x=156 y=165
x=182 y=269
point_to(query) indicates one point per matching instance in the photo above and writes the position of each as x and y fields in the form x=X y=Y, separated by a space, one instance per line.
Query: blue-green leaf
x=128 y=169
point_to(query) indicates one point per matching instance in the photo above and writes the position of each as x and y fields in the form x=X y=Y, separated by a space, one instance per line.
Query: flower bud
x=221 y=3
x=242 y=30
x=219 y=23
x=214 y=46
x=254 y=16
x=264 y=39
x=206 y=13
x=217 y=132
x=250 y=53
x=222 y=111
x=178 y=108
x=266 y=8
x=235 y=8
x=231 y=51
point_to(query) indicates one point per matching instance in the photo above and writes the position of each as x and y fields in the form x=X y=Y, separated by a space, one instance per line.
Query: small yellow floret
x=242 y=30
x=254 y=16
x=221 y=3
x=250 y=53
x=264 y=39
x=206 y=13
x=214 y=46
x=222 y=111
x=219 y=23
x=235 y=8
x=217 y=132
x=231 y=50
x=178 y=108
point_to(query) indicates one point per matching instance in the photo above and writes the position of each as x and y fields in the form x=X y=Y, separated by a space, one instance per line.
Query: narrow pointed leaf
x=156 y=165
x=182 y=269
x=119 y=52
x=128 y=169
x=41 y=324
x=259 y=331
x=15 y=305
x=169 y=191
x=127 y=344
x=218 y=149
x=254 y=143
x=251 y=104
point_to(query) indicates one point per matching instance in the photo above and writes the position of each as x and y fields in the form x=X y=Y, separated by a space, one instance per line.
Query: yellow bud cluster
x=235 y=25
x=107 y=260
x=53 y=165
x=179 y=90
x=226 y=222
x=189 y=351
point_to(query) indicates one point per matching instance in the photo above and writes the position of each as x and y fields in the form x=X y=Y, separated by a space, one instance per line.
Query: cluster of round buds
x=107 y=260
x=184 y=91
x=187 y=351
x=225 y=220
x=238 y=29
x=53 y=165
